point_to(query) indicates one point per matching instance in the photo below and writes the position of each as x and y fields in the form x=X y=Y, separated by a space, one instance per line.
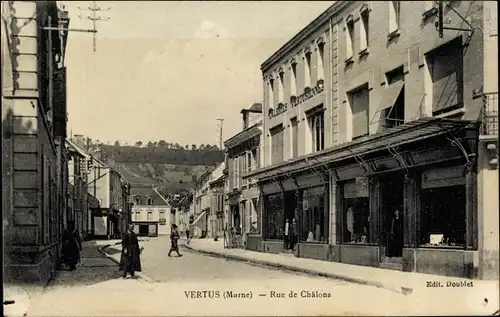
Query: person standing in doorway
x=396 y=245
x=287 y=236
x=130 y=261
x=71 y=246
x=293 y=234
x=174 y=241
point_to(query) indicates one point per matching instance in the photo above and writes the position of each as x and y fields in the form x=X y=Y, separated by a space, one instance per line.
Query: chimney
x=244 y=113
x=79 y=140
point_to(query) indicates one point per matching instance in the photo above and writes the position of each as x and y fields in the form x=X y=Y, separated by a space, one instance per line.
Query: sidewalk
x=402 y=282
x=87 y=291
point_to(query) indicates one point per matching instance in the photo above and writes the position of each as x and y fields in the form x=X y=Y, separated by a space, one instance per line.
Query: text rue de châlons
x=229 y=294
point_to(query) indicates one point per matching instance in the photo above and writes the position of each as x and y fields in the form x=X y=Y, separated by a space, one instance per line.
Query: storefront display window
x=314 y=215
x=274 y=217
x=443 y=220
x=356 y=212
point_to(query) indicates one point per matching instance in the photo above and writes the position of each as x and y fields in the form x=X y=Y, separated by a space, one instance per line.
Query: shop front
x=408 y=204
x=296 y=215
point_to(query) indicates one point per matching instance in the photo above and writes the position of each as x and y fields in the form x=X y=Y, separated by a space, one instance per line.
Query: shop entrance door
x=392 y=221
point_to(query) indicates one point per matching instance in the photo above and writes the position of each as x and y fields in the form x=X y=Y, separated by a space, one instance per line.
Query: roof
x=256 y=107
x=244 y=135
x=217 y=179
x=403 y=134
x=76 y=148
x=303 y=34
x=148 y=192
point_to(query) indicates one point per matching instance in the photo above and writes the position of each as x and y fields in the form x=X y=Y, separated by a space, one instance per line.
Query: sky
x=166 y=70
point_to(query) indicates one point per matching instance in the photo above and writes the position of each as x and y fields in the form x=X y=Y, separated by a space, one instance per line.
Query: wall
x=418 y=36
x=490 y=46
x=142 y=212
x=101 y=175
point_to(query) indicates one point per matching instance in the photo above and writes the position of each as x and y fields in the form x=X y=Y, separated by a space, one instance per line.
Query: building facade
x=151 y=213
x=201 y=205
x=33 y=134
x=216 y=216
x=372 y=139
x=243 y=195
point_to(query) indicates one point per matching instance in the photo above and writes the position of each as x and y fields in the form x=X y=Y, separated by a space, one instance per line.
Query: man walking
x=131 y=253
x=174 y=240
x=71 y=246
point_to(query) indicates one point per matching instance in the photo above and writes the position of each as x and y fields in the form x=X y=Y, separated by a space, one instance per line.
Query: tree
x=162 y=144
x=150 y=144
x=193 y=147
x=186 y=146
x=138 y=144
x=177 y=146
x=202 y=147
x=215 y=147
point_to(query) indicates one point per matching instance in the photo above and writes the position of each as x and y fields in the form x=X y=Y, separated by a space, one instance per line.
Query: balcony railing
x=489 y=124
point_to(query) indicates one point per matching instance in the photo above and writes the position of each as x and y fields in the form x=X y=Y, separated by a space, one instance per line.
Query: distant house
x=151 y=213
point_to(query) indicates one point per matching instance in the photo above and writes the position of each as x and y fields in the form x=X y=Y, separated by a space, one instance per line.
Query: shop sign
x=308 y=94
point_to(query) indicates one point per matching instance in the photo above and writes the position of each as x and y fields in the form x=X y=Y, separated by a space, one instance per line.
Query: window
x=150 y=216
x=394 y=16
x=315 y=218
x=274 y=217
x=349 y=38
x=150 y=201
x=364 y=35
x=317 y=126
x=137 y=215
x=295 y=141
x=137 y=200
x=242 y=169
x=281 y=86
x=162 y=215
x=359 y=102
x=445 y=69
x=276 y=144
x=356 y=212
x=162 y=220
x=320 y=61
x=255 y=216
x=249 y=161
x=307 y=69
x=395 y=114
x=255 y=155
x=235 y=172
x=271 y=93
x=293 y=78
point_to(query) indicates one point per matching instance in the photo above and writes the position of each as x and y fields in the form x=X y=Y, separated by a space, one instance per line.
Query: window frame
x=364 y=39
x=349 y=39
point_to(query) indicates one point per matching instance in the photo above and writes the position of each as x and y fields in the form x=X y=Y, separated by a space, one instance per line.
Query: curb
x=139 y=274
x=401 y=290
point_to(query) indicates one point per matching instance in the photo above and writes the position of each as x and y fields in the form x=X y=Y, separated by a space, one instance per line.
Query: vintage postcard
x=250 y=158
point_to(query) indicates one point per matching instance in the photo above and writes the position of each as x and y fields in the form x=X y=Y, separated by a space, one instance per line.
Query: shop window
x=295 y=141
x=445 y=71
x=356 y=213
x=255 y=216
x=359 y=101
x=150 y=216
x=314 y=215
x=274 y=217
x=443 y=216
x=277 y=144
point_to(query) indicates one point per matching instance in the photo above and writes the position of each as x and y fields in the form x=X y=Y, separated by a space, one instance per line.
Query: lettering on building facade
x=295 y=101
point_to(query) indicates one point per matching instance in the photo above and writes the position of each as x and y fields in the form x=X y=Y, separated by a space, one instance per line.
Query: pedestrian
x=187 y=233
x=287 y=236
x=174 y=239
x=71 y=246
x=293 y=234
x=130 y=261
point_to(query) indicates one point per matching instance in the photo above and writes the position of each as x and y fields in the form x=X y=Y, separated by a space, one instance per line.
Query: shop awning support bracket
x=399 y=158
x=321 y=174
x=456 y=142
x=361 y=162
x=276 y=179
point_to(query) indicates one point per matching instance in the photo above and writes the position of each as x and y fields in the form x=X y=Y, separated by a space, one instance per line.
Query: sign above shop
x=295 y=101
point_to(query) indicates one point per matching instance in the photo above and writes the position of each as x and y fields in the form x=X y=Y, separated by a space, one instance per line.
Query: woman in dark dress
x=131 y=253
x=174 y=240
x=396 y=246
x=71 y=246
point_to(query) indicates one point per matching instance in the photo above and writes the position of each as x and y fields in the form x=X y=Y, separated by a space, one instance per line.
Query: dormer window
x=307 y=67
x=137 y=200
x=293 y=77
x=150 y=201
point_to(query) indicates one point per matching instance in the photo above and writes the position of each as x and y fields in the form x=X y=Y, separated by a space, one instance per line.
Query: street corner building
x=151 y=212
x=34 y=117
x=380 y=137
x=242 y=196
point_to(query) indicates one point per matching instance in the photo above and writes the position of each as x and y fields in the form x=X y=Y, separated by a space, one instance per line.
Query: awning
x=243 y=136
x=199 y=217
x=403 y=134
x=389 y=98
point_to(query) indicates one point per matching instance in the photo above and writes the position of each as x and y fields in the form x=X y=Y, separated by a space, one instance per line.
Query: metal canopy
x=394 y=137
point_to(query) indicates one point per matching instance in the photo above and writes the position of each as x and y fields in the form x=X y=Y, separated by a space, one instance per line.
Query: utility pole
x=220 y=131
x=94 y=18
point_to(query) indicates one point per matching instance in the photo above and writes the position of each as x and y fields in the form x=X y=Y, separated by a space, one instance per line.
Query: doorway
x=391 y=206
x=290 y=213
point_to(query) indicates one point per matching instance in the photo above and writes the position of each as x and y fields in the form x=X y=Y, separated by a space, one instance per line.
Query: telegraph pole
x=94 y=18
x=220 y=131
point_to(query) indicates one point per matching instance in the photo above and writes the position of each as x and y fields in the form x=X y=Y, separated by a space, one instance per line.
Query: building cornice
x=306 y=32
